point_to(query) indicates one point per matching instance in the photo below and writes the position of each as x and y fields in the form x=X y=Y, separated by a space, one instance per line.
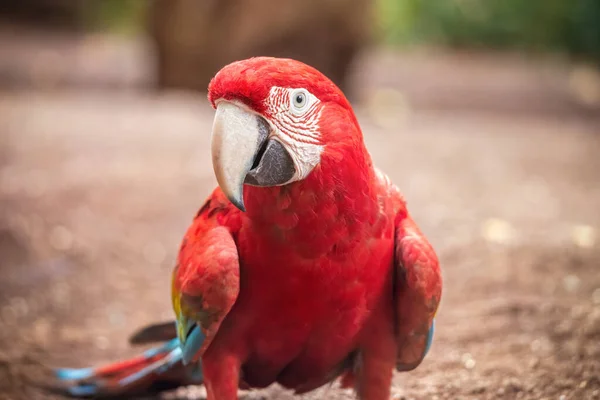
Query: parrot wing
x=418 y=288
x=206 y=280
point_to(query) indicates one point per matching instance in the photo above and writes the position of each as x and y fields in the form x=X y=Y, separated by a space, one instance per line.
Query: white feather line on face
x=299 y=133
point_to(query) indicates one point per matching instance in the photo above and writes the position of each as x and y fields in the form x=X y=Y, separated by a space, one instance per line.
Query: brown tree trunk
x=194 y=39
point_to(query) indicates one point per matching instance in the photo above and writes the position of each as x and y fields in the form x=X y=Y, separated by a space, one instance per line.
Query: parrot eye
x=299 y=99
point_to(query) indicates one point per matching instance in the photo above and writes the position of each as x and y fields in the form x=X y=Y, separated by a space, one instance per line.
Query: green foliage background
x=572 y=26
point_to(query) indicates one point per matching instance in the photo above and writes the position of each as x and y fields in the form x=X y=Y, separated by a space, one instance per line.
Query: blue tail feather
x=159 y=364
x=83 y=390
x=74 y=374
x=168 y=346
x=158 y=367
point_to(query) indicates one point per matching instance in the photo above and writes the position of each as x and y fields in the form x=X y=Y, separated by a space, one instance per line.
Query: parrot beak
x=243 y=152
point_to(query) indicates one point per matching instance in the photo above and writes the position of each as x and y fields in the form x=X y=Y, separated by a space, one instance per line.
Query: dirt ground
x=98 y=186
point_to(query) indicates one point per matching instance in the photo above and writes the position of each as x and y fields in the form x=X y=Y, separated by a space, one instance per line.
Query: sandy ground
x=97 y=188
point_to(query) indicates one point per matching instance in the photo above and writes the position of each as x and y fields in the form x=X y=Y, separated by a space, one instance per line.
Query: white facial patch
x=295 y=115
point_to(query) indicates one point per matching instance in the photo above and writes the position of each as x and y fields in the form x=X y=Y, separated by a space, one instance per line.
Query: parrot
x=302 y=267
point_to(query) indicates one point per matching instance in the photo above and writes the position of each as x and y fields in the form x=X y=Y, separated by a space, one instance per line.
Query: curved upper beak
x=237 y=136
x=243 y=152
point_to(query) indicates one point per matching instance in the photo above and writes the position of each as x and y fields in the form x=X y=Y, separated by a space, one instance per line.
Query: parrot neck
x=319 y=212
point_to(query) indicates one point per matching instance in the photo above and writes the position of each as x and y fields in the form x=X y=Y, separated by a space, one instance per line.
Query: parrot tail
x=154 y=333
x=157 y=369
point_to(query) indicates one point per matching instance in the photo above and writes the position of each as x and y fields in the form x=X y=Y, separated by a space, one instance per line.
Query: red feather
x=318 y=260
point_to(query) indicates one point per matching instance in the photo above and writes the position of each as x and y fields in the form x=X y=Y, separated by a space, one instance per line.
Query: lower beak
x=242 y=152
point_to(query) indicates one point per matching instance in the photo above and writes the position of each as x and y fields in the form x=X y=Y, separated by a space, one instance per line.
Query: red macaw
x=302 y=266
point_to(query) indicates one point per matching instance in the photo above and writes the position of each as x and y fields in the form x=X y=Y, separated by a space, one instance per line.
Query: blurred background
x=486 y=113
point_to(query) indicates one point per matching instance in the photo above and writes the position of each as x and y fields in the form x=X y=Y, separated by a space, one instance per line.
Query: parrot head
x=273 y=123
